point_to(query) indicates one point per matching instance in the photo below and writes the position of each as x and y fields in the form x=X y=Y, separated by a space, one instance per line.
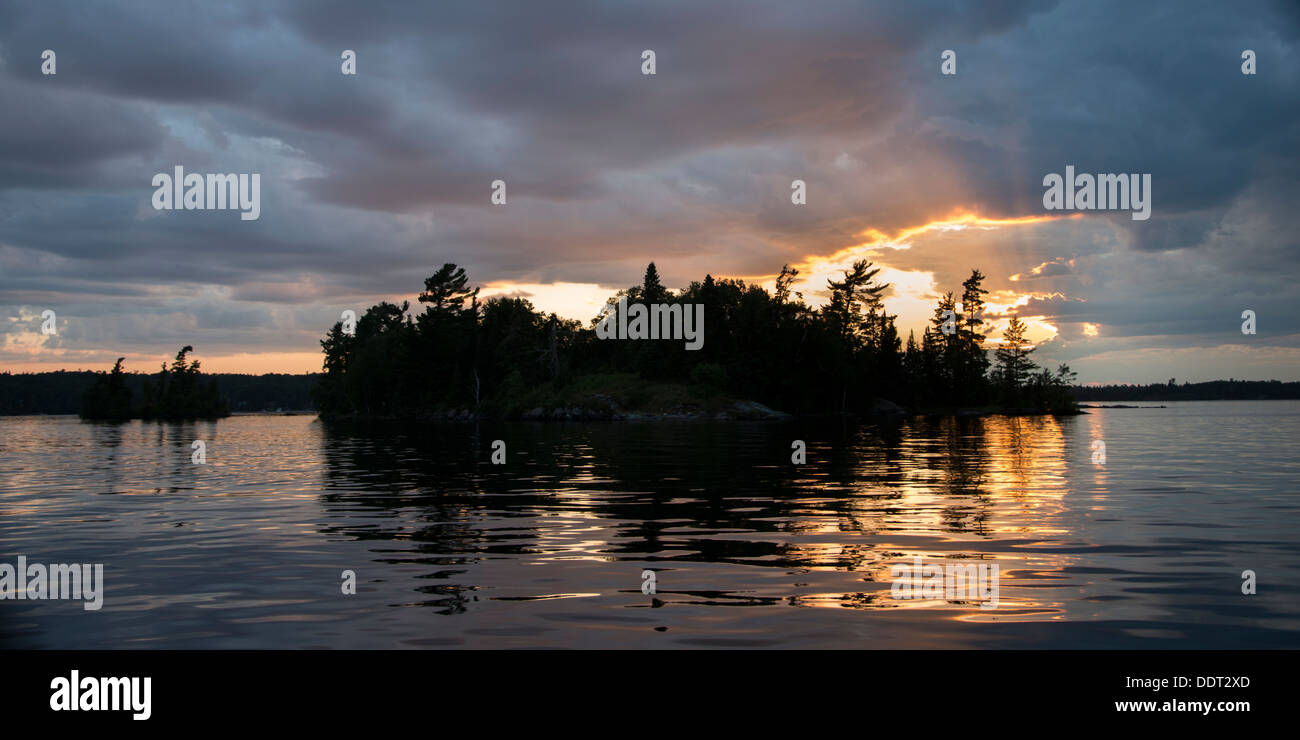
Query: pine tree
x=972 y=306
x=1014 y=365
x=109 y=398
x=973 y=360
x=943 y=337
x=854 y=300
x=653 y=291
x=783 y=283
x=447 y=290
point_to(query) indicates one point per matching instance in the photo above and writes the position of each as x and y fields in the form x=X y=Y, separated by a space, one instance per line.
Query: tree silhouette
x=447 y=290
x=652 y=291
x=1014 y=365
x=972 y=362
x=503 y=357
x=108 y=399
x=176 y=393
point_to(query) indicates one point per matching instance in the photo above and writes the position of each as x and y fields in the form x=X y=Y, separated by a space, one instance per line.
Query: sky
x=370 y=182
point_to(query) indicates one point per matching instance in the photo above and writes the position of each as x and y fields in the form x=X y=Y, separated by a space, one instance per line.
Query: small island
x=177 y=393
x=764 y=354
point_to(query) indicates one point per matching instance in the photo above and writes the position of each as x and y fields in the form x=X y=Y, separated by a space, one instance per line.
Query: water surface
x=246 y=551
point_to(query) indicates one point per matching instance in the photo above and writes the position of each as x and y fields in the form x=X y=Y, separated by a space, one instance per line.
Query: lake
x=1144 y=548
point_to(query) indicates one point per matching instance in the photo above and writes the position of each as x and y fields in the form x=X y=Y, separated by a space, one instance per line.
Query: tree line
x=1213 y=390
x=174 y=393
x=62 y=391
x=461 y=352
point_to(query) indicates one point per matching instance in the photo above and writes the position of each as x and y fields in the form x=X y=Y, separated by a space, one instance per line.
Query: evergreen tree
x=853 y=313
x=1014 y=365
x=108 y=398
x=853 y=300
x=783 y=283
x=652 y=291
x=973 y=360
x=944 y=339
x=176 y=393
x=447 y=290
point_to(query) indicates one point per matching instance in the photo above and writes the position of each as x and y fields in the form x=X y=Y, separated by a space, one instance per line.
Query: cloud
x=370 y=182
x=1051 y=268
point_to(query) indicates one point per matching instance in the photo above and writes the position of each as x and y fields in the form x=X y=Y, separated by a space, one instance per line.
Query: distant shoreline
x=1124 y=406
x=647 y=417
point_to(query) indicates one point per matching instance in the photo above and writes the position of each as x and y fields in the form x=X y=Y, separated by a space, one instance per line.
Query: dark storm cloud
x=47 y=142
x=371 y=181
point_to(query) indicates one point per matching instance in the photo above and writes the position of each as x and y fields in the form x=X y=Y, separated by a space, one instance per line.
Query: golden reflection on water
x=977 y=492
x=986 y=490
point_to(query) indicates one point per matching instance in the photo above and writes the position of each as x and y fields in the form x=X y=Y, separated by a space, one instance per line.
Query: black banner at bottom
x=217 y=690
